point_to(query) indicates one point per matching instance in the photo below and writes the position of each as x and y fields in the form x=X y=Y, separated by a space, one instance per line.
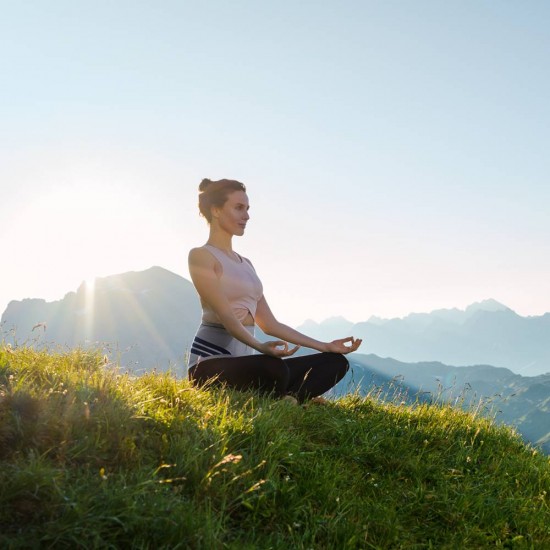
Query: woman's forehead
x=238 y=197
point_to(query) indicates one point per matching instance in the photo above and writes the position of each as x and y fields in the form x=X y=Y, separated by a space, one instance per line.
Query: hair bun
x=204 y=184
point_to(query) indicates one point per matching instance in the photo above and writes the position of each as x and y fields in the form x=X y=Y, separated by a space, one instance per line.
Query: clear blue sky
x=395 y=153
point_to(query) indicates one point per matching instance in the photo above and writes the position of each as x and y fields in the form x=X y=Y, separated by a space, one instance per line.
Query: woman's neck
x=221 y=241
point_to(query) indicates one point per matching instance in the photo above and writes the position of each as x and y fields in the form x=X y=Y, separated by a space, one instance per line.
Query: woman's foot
x=319 y=401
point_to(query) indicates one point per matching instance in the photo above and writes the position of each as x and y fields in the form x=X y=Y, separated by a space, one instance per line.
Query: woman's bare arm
x=202 y=268
x=272 y=327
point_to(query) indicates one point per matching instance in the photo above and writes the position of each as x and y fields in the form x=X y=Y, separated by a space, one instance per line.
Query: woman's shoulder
x=201 y=255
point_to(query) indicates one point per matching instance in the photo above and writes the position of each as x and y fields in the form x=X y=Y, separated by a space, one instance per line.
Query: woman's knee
x=205 y=372
x=339 y=360
x=340 y=365
x=345 y=363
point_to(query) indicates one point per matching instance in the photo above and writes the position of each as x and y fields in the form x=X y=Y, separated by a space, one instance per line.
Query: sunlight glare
x=89 y=306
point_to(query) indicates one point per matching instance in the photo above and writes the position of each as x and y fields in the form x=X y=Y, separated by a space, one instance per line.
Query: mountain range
x=151 y=317
x=485 y=332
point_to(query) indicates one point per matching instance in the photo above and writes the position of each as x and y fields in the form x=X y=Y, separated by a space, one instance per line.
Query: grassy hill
x=94 y=458
x=519 y=401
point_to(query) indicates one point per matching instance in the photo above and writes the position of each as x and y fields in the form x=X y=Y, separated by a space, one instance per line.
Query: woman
x=233 y=302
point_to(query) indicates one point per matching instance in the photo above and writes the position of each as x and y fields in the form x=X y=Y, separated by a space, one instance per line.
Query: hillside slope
x=92 y=458
x=519 y=401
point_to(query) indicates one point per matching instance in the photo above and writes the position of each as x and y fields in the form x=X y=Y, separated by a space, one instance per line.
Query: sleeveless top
x=240 y=284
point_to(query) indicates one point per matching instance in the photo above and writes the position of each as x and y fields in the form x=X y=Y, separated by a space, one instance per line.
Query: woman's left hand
x=277 y=348
x=339 y=346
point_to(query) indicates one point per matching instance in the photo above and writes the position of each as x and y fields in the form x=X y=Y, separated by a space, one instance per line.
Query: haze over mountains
x=147 y=320
x=486 y=332
x=153 y=315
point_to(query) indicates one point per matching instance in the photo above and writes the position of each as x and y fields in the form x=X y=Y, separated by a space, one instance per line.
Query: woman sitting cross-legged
x=233 y=302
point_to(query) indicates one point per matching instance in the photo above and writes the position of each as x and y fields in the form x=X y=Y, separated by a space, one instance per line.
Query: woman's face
x=233 y=216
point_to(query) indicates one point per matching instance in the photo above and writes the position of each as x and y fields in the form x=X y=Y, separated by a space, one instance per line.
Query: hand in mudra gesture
x=278 y=348
x=339 y=346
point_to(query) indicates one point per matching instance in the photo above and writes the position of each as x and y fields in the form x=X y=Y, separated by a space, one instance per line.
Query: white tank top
x=240 y=284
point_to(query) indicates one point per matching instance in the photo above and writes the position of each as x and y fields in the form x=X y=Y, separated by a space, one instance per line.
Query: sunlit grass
x=91 y=457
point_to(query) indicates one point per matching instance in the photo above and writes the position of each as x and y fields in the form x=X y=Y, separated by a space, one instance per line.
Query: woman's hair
x=215 y=193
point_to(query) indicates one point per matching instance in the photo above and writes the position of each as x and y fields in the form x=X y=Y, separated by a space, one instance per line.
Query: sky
x=395 y=153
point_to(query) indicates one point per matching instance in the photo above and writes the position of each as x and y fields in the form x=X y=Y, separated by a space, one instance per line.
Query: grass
x=91 y=458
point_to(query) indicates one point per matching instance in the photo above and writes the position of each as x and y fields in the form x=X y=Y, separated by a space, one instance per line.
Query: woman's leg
x=261 y=372
x=313 y=375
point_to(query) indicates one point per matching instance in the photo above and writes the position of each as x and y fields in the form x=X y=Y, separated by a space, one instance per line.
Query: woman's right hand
x=277 y=348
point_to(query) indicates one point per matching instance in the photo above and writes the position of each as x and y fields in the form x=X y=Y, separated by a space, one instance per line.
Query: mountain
x=329 y=329
x=519 y=401
x=485 y=332
x=143 y=319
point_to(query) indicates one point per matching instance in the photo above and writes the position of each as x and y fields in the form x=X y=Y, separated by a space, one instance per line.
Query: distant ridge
x=485 y=332
x=447 y=313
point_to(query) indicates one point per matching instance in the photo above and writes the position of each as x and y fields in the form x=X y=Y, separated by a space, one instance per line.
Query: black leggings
x=302 y=377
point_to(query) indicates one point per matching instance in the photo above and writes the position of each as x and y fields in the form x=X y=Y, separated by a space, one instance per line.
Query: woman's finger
x=293 y=350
